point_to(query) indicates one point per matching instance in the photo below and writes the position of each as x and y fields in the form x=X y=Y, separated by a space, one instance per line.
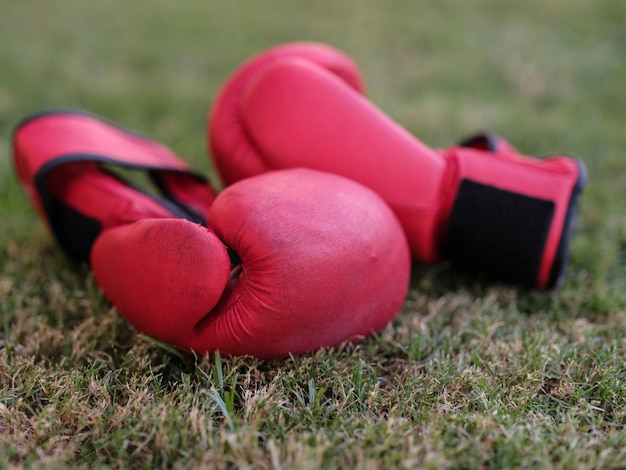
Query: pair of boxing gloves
x=309 y=243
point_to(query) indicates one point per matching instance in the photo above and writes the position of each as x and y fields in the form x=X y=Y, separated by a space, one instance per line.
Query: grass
x=469 y=375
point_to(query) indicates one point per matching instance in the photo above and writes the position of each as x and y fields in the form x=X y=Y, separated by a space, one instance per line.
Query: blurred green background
x=549 y=75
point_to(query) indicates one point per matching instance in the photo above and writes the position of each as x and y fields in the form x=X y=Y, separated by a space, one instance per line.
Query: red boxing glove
x=294 y=260
x=503 y=214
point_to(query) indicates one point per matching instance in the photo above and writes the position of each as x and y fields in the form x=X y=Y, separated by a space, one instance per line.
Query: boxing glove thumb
x=164 y=275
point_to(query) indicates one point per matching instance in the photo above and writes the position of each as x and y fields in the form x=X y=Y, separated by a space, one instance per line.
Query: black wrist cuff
x=499 y=233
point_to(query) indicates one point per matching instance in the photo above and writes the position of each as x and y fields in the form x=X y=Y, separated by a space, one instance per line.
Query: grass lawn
x=469 y=375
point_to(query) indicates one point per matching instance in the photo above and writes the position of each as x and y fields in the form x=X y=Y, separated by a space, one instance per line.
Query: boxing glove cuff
x=59 y=158
x=515 y=231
